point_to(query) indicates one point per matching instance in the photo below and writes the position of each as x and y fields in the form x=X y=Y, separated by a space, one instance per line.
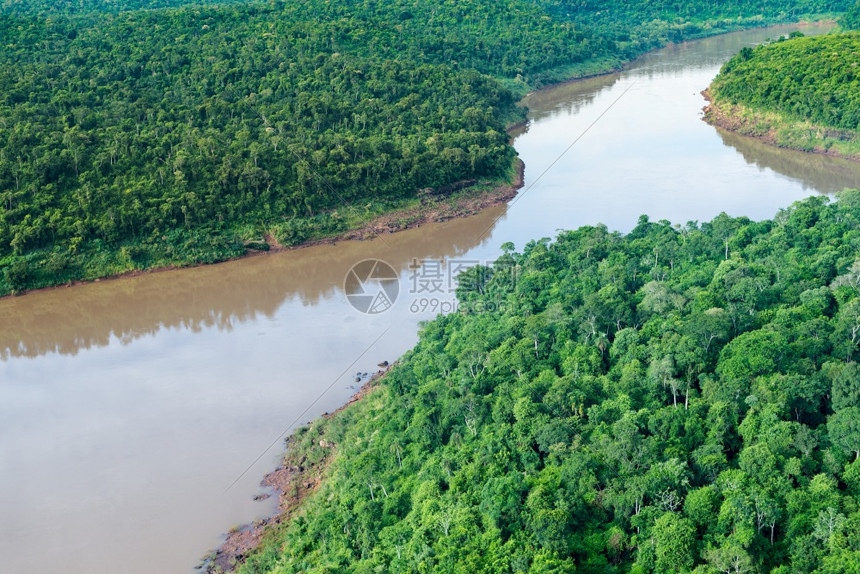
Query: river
x=137 y=416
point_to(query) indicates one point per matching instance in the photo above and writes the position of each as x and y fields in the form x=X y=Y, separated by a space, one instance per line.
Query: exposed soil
x=729 y=118
x=434 y=208
x=293 y=481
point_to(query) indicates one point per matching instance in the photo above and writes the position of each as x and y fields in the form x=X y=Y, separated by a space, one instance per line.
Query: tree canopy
x=851 y=19
x=677 y=399
x=814 y=79
x=151 y=132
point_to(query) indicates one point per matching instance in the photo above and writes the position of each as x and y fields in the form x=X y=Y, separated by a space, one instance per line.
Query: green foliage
x=851 y=19
x=128 y=121
x=68 y=7
x=674 y=539
x=844 y=430
x=614 y=413
x=813 y=79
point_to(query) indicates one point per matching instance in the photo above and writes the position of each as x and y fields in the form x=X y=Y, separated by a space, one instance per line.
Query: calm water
x=129 y=407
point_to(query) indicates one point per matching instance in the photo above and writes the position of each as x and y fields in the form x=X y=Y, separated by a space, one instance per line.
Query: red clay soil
x=433 y=209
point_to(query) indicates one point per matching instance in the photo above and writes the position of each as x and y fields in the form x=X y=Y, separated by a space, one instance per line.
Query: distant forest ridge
x=78 y=7
x=573 y=9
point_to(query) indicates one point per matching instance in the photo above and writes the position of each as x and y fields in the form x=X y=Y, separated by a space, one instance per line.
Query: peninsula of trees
x=801 y=93
x=144 y=133
x=678 y=399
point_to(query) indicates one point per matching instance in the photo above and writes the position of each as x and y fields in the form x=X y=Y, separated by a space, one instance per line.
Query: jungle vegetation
x=851 y=19
x=803 y=92
x=677 y=399
x=144 y=133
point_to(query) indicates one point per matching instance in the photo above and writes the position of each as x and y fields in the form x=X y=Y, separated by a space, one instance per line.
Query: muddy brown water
x=129 y=407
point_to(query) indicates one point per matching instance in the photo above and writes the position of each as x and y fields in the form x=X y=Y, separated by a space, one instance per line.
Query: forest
x=795 y=92
x=683 y=398
x=851 y=19
x=150 y=133
x=94 y=7
x=813 y=79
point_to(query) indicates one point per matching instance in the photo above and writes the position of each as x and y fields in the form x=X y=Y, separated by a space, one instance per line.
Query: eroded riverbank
x=774 y=129
x=301 y=472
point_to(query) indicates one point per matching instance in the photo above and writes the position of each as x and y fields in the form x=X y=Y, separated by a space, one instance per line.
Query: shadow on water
x=568 y=98
x=816 y=172
x=66 y=321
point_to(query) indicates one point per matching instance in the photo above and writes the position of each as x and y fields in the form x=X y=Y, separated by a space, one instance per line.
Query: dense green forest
x=812 y=79
x=798 y=92
x=685 y=17
x=851 y=19
x=94 y=7
x=677 y=399
x=133 y=137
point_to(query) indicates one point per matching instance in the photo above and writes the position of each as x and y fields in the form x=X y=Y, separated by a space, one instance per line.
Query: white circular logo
x=371 y=286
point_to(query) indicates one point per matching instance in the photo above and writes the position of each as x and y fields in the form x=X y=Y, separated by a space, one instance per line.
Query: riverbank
x=432 y=206
x=98 y=260
x=308 y=453
x=775 y=129
x=312 y=473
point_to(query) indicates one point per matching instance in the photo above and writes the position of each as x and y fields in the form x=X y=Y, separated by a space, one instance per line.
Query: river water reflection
x=128 y=407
